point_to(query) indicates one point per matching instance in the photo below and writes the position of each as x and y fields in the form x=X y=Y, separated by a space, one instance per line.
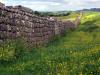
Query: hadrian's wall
x=20 y=22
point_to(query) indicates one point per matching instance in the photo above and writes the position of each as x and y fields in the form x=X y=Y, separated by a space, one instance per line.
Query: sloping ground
x=78 y=53
x=73 y=15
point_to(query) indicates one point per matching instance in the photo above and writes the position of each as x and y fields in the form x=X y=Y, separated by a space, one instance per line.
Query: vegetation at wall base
x=77 y=53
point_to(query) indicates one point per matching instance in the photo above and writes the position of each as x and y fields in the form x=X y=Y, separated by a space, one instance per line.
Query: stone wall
x=20 y=22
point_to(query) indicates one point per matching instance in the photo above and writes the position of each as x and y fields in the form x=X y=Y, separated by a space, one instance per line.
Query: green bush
x=89 y=26
x=7 y=51
x=10 y=50
x=90 y=69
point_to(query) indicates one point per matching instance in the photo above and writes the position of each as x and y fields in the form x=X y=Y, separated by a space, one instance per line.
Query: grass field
x=77 y=53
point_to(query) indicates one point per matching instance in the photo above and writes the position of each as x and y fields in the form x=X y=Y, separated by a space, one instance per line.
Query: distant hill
x=92 y=9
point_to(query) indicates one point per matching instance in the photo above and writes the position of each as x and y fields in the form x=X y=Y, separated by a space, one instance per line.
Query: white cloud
x=95 y=0
x=36 y=5
x=1 y=0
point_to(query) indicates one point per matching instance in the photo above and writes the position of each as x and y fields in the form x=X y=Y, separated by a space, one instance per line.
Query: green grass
x=70 y=17
x=77 y=53
x=86 y=16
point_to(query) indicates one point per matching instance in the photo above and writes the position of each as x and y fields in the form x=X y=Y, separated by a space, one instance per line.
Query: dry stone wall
x=20 y=22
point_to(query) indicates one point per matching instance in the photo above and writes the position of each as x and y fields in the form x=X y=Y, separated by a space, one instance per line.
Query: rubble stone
x=20 y=21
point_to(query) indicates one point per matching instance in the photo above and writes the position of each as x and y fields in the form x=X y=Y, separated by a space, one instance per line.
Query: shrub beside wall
x=11 y=50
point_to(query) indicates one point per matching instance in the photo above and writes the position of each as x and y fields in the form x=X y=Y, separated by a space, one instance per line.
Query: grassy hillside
x=77 y=53
x=73 y=15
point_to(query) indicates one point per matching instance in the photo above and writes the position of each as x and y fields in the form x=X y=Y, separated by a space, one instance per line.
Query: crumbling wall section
x=20 y=22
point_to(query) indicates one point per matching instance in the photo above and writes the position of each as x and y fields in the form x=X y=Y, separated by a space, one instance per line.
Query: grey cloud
x=55 y=5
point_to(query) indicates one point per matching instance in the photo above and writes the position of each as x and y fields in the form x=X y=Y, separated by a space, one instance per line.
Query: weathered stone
x=22 y=8
x=20 y=22
x=2 y=5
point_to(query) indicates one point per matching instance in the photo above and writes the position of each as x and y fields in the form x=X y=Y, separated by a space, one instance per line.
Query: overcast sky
x=54 y=5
